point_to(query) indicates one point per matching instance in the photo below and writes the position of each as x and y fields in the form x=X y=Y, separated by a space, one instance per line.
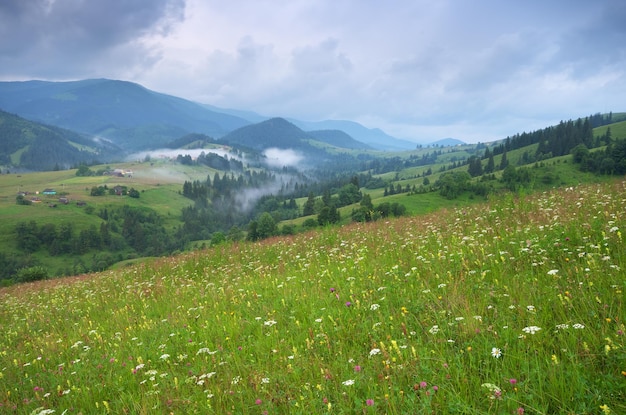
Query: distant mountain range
x=28 y=145
x=136 y=118
x=373 y=137
x=338 y=138
x=125 y=113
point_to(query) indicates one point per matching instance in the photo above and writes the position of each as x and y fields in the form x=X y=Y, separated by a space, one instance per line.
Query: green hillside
x=32 y=146
x=618 y=130
x=510 y=307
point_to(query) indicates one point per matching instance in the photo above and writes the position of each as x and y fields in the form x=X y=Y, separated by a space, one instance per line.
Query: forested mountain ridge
x=275 y=132
x=33 y=146
x=282 y=134
x=128 y=114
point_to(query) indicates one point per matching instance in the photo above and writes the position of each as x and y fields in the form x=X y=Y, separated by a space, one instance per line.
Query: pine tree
x=309 y=205
x=475 y=167
x=503 y=162
x=253 y=233
x=491 y=165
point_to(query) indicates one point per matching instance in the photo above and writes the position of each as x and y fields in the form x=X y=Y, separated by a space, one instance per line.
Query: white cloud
x=279 y=157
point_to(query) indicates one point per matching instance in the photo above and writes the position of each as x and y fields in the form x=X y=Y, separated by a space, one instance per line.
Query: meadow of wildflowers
x=511 y=307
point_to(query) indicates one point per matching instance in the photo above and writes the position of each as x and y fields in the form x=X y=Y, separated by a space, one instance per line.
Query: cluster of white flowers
x=202 y=378
x=495 y=391
x=576 y=326
x=269 y=323
x=374 y=307
x=348 y=382
x=434 y=329
x=206 y=351
x=374 y=352
x=531 y=329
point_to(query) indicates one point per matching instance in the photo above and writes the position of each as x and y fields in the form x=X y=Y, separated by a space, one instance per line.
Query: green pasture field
x=618 y=130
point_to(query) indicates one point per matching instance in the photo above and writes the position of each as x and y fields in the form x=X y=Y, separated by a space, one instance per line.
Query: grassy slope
x=398 y=316
x=618 y=130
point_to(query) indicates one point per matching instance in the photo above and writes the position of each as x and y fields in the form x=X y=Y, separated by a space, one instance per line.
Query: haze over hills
x=373 y=137
x=338 y=138
x=136 y=118
x=445 y=142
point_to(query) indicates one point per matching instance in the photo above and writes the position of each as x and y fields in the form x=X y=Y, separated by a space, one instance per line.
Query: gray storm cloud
x=64 y=37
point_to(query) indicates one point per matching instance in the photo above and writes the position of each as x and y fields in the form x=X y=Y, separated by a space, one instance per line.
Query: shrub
x=310 y=223
x=21 y=200
x=30 y=274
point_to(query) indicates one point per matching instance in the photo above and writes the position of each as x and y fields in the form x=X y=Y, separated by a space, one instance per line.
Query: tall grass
x=508 y=308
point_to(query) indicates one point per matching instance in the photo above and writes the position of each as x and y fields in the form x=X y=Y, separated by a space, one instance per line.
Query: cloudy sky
x=419 y=69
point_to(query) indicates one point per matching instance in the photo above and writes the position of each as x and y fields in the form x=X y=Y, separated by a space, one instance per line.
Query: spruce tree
x=309 y=205
x=503 y=162
x=491 y=165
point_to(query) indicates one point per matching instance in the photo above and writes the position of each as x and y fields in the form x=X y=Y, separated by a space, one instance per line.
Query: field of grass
x=511 y=307
x=618 y=130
